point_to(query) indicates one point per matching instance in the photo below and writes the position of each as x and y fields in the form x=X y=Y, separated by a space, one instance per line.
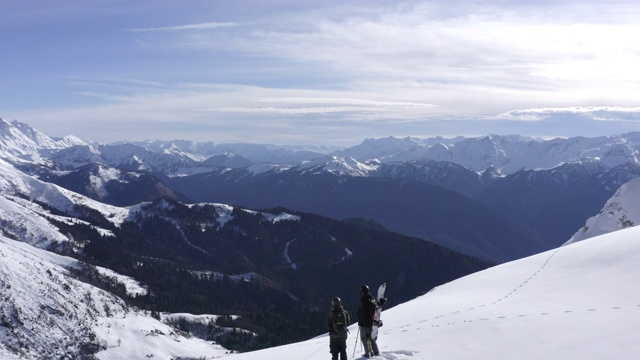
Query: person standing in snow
x=366 y=312
x=337 y=321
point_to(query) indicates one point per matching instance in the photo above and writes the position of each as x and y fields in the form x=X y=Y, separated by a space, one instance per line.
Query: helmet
x=364 y=289
x=336 y=301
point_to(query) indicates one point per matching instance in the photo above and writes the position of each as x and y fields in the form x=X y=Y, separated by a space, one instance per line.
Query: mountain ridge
x=504 y=153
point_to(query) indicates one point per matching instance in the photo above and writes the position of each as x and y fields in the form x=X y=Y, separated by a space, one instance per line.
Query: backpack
x=340 y=321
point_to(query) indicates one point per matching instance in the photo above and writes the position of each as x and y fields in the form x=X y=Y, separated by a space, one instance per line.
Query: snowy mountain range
x=65 y=292
x=505 y=154
x=546 y=188
x=66 y=195
x=530 y=308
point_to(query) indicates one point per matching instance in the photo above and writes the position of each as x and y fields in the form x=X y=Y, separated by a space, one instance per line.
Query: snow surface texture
x=620 y=212
x=579 y=301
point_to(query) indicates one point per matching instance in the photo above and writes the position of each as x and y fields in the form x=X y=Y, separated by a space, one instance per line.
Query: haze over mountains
x=258 y=238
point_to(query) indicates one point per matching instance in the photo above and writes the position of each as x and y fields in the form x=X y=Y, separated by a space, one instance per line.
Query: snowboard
x=376 y=315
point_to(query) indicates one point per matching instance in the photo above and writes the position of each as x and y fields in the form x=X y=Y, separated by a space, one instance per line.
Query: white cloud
x=597 y=113
x=414 y=68
x=200 y=26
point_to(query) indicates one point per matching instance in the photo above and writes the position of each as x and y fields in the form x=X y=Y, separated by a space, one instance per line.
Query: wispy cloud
x=596 y=113
x=362 y=102
x=200 y=26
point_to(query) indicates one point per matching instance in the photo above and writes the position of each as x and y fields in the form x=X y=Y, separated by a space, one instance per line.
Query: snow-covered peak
x=620 y=212
x=20 y=142
x=77 y=155
x=340 y=166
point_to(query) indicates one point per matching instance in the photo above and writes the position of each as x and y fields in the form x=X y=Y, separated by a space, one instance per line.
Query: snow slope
x=580 y=301
x=23 y=218
x=45 y=313
x=621 y=211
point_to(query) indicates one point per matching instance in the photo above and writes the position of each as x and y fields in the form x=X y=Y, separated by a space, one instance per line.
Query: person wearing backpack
x=337 y=321
x=366 y=312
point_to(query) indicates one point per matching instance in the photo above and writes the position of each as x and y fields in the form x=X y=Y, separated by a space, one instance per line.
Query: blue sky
x=319 y=72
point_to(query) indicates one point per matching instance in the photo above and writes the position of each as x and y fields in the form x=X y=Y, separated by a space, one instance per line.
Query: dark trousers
x=338 y=347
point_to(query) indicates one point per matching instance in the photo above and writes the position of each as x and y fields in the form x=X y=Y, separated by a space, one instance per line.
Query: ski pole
x=356 y=344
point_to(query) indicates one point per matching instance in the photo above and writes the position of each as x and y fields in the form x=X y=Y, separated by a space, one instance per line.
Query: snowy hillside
x=579 y=301
x=25 y=219
x=45 y=313
x=620 y=212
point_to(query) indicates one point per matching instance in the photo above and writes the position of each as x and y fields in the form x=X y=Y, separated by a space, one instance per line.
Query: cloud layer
x=334 y=73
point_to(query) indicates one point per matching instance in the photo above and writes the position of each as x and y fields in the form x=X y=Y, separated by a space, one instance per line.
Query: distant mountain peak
x=20 y=142
x=340 y=166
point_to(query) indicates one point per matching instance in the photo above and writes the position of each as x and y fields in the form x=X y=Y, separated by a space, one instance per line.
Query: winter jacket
x=366 y=310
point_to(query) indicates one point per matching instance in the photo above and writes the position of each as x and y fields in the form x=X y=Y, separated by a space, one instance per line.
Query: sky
x=329 y=72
